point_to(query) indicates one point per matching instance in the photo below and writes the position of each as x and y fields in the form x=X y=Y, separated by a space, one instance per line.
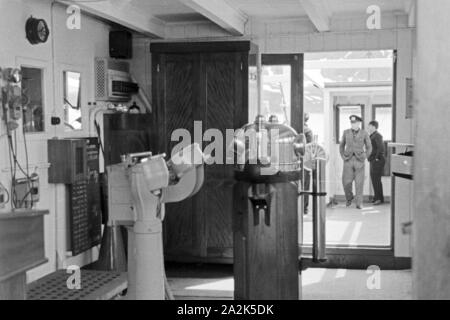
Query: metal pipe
x=259 y=80
x=319 y=210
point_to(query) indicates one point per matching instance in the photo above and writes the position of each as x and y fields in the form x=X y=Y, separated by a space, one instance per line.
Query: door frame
x=350 y=256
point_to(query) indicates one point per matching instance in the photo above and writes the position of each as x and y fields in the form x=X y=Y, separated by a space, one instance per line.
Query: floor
x=350 y=226
x=318 y=284
x=345 y=226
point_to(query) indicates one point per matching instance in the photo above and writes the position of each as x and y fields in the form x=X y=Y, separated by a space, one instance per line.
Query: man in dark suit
x=377 y=162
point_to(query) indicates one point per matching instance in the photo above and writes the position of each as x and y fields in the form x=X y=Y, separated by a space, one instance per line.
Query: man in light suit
x=355 y=147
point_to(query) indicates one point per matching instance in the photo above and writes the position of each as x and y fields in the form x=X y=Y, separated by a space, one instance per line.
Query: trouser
x=376 y=172
x=353 y=171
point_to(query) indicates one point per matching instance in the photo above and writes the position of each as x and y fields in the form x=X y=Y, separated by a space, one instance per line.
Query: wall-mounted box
x=113 y=81
x=67 y=158
x=402 y=163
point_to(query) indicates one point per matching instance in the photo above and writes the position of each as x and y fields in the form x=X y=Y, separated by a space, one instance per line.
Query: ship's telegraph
x=268 y=151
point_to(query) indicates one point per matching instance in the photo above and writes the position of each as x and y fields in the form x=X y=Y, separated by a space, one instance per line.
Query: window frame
x=80 y=102
x=47 y=94
x=387 y=167
x=43 y=98
x=380 y=106
x=59 y=96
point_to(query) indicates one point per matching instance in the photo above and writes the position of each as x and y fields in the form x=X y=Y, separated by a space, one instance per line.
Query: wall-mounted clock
x=37 y=30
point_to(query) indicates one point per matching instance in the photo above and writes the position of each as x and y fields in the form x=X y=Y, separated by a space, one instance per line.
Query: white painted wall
x=141 y=64
x=347 y=33
x=73 y=50
x=431 y=229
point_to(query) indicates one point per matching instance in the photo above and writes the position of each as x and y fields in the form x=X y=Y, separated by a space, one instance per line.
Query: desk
x=21 y=249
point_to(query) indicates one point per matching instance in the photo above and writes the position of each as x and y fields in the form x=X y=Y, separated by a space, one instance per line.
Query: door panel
x=179 y=98
x=206 y=87
x=221 y=105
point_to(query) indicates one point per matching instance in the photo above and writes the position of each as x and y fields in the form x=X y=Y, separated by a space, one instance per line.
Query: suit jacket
x=358 y=145
x=377 y=146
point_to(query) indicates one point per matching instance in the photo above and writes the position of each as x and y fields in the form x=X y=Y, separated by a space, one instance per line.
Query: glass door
x=336 y=86
x=282 y=82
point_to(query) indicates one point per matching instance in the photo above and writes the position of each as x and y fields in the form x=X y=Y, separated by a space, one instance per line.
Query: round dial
x=314 y=151
x=42 y=30
x=37 y=30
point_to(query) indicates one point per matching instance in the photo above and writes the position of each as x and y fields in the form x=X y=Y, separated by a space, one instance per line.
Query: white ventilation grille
x=100 y=79
x=113 y=81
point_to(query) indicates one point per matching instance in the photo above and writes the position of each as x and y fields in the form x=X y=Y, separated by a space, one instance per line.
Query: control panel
x=75 y=163
x=79 y=219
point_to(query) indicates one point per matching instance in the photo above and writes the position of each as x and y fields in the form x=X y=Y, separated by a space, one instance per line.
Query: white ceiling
x=358 y=6
x=293 y=8
x=174 y=11
x=168 y=11
x=149 y=16
x=269 y=8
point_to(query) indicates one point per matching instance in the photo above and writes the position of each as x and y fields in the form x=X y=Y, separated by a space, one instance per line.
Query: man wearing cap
x=355 y=147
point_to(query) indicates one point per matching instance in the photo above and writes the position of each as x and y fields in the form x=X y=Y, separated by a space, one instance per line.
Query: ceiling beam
x=123 y=13
x=410 y=9
x=221 y=13
x=318 y=12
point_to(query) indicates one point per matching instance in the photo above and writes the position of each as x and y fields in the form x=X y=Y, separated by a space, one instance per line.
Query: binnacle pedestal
x=266 y=250
x=265 y=215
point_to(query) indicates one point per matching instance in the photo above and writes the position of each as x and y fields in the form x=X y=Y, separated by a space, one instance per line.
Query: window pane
x=384 y=117
x=33 y=102
x=72 y=103
x=252 y=93
x=276 y=97
x=276 y=92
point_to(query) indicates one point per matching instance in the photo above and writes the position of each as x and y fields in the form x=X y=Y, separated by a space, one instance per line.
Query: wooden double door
x=202 y=85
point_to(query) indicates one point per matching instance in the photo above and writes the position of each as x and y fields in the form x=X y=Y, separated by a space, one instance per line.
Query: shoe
x=359 y=207
x=377 y=203
x=349 y=202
